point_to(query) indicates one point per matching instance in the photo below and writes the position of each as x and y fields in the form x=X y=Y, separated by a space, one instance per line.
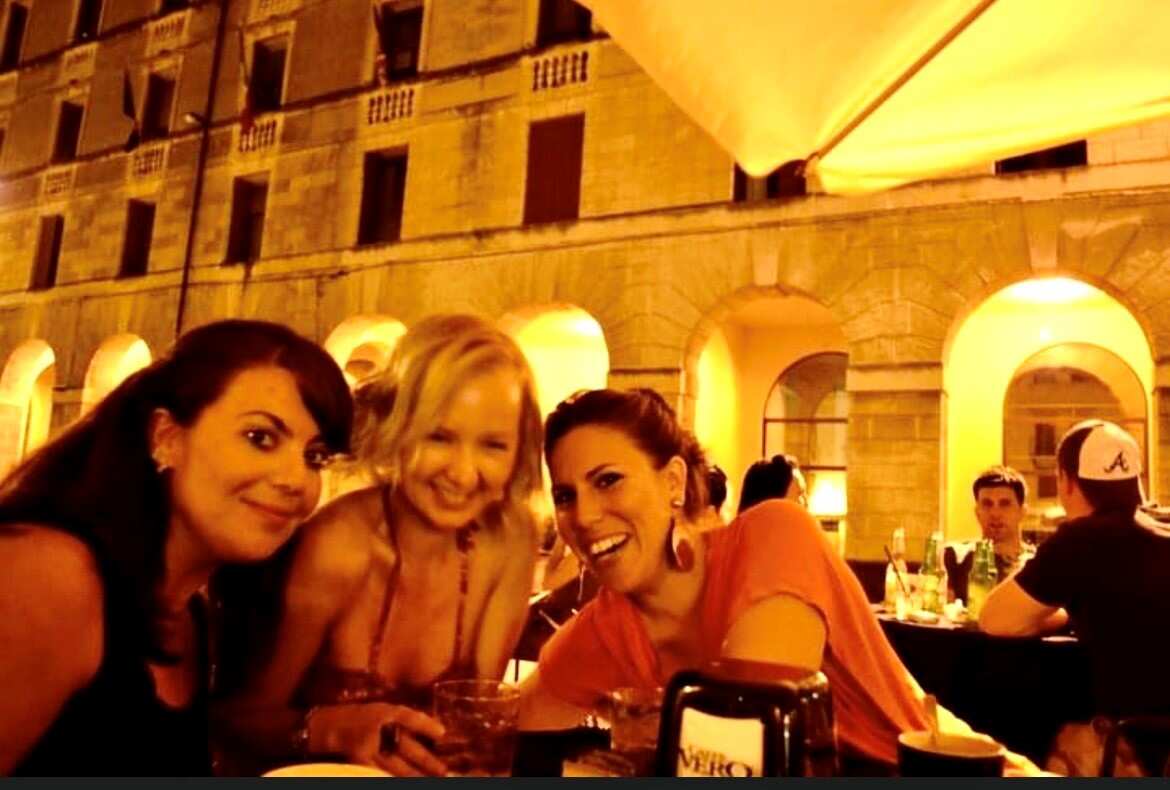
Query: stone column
x=894 y=456
x=1159 y=451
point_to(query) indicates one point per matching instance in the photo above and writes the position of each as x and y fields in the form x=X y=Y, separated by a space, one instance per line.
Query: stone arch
x=361 y=345
x=565 y=346
x=993 y=341
x=733 y=357
x=26 y=400
x=116 y=358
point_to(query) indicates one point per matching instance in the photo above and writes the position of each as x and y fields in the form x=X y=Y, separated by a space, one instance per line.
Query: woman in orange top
x=629 y=487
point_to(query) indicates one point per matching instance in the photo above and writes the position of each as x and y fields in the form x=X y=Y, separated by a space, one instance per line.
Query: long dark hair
x=645 y=417
x=768 y=479
x=98 y=482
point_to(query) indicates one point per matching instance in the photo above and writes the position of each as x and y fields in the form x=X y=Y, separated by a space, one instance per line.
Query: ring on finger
x=388 y=739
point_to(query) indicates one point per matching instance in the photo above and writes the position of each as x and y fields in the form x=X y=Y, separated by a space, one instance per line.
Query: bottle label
x=716 y=746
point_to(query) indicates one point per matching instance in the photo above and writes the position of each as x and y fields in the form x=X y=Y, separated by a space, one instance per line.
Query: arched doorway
x=741 y=410
x=566 y=350
x=112 y=363
x=1007 y=353
x=807 y=415
x=362 y=345
x=1053 y=390
x=26 y=401
x=565 y=347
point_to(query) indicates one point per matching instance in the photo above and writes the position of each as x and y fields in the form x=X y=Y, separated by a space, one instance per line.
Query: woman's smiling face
x=247 y=471
x=613 y=506
x=466 y=461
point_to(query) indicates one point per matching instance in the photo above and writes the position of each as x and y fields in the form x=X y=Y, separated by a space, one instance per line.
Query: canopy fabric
x=778 y=80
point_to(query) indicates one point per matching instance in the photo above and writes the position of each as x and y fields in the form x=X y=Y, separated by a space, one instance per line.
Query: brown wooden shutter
x=553 y=191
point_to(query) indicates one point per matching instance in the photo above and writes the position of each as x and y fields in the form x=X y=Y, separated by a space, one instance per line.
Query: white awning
x=877 y=93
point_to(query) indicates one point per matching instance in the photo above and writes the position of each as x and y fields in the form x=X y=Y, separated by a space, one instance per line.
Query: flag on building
x=247 y=118
x=130 y=112
x=382 y=58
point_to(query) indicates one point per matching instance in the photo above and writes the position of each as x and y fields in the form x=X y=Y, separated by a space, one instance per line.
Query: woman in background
x=108 y=534
x=424 y=576
x=778 y=478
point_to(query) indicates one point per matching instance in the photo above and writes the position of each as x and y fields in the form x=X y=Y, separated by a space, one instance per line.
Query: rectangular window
x=268 y=59
x=249 y=200
x=562 y=20
x=13 y=36
x=168 y=6
x=89 y=15
x=1072 y=154
x=44 y=273
x=156 y=113
x=400 y=37
x=68 y=132
x=553 y=188
x=383 y=191
x=136 y=244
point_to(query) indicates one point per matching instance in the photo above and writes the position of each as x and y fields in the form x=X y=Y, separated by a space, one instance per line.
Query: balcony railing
x=262 y=9
x=263 y=136
x=561 y=67
x=388 y=105
x=78 y=63
x=58 y=182
x=148 y=160
x=168 y=33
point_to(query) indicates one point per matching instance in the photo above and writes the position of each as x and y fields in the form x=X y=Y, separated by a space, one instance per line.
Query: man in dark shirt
x=1108 y=567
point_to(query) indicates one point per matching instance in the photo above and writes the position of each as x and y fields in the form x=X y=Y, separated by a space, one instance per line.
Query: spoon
x=931 y=703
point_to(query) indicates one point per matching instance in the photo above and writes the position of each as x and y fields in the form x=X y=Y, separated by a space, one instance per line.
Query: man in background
x=1106 y=570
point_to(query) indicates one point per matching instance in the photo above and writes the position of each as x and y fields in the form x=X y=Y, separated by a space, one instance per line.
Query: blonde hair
x=399 y=406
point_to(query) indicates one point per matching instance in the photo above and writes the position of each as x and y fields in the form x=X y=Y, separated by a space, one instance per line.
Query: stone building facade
x=656 y=248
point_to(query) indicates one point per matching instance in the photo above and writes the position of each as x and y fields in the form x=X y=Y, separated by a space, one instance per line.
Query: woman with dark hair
x=211 y=455
x=424 y=576
x=629 y=486
x=778 y=478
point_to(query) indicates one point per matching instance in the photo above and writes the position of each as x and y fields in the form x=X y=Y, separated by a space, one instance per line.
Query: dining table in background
x=1017 y=690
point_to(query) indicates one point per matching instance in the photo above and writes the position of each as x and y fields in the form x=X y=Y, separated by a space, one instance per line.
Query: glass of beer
x=634 y=714
x=480 y=717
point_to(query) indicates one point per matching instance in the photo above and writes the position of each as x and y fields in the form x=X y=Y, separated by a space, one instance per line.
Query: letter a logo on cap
x=1118 y=463
x=1108 y=453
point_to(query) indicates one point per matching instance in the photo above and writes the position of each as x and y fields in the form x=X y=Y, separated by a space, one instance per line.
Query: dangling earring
x=682 y=554
x=581 y=571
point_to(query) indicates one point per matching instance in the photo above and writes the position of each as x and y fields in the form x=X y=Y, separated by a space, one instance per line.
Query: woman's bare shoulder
x=336 y=544
x=53 y=593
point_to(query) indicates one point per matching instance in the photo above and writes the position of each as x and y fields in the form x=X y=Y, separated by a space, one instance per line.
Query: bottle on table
x=933 y=575
x=983 y=578
x=895 y=599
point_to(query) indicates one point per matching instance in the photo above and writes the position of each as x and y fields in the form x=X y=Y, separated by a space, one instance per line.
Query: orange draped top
x=774 y=548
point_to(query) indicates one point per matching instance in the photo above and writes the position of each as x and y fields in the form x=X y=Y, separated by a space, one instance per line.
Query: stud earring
x=677 y=502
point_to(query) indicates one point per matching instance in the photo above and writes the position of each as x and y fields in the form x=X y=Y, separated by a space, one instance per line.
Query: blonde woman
x=421 y=577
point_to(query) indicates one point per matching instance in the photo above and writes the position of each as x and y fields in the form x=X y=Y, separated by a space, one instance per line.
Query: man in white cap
x=1108 y=567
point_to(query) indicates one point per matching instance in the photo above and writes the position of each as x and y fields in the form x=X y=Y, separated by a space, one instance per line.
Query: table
x=541 y=753
x=1018 y=690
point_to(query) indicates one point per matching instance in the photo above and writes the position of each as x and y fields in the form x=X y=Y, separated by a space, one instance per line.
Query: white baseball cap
x=1109 y=453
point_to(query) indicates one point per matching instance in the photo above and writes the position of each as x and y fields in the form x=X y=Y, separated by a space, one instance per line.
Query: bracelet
x=300 y=736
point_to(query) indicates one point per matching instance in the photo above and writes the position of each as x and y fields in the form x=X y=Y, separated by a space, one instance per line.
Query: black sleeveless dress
x=117 y=726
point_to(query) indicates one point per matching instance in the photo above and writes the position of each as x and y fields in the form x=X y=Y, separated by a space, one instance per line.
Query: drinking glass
x=634 y=715
x=480 y=718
